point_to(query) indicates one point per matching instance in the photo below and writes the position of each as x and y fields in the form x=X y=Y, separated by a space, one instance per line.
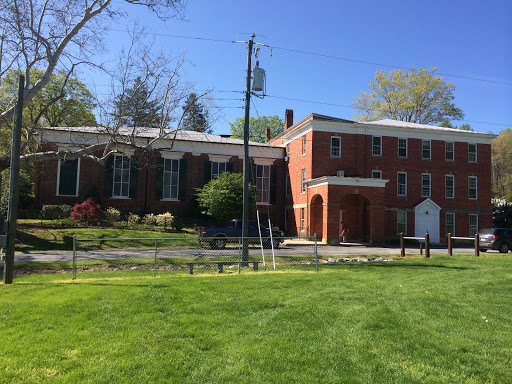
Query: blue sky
x=471 y=39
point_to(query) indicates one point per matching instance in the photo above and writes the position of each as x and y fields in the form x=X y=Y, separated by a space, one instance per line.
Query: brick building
x=161 y=180
x=381 y=178
x=384 y=177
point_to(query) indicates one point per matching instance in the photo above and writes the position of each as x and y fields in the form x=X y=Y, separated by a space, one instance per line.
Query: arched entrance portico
x=355 y=212
x=317 y=216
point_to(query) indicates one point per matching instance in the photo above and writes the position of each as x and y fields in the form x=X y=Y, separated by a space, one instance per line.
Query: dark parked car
x=495 y=238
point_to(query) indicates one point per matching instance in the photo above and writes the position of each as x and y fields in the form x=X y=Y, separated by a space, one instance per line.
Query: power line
x=324 y=56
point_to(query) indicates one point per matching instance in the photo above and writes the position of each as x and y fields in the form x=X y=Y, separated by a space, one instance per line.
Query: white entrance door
x=427 y=220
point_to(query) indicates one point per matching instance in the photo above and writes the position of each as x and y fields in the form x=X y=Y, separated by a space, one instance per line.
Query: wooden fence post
x=402 y=248
x=477 y=245
x=449 y=244
x=427 y=246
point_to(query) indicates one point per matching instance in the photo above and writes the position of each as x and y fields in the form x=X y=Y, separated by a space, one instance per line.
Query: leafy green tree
x=463 y=127
x=136 y=108
x=222 y=197
x=501 y=165
x=195 y=115
x=415 y=95
x=257 y=127
x=64 y=102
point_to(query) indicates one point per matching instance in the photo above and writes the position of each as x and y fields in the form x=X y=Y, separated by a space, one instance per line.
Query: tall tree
x=415 y=95
x=136 y=107
x=463 y=127
x=59 y=35
x=257 y=127
x=195 y=115
x=501 y=162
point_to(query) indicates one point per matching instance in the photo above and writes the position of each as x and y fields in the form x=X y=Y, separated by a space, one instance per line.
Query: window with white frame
x=425 y=149
x=472 y=187
x=449 y=186
x=263 y=183
x=402 y=148
x=472 y=153
x=287 y=186
x=121 y=176
x=218 y=168
x=376 y=174
x=335 y=146
x=450 y=224
x=449 y=151
x=304 y=145
x=303 y=187
x=171 y=179
x=377 y=146
x=473 y=224
x=302 y=219
x=401 y=222
x=68 y=175
x=425 y=185
x=401 y=184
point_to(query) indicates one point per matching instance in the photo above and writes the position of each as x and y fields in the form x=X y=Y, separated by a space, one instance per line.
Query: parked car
x=217 y=237
x=495 y=238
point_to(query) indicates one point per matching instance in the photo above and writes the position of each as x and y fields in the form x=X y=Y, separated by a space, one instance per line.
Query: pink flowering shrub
x=87 y=212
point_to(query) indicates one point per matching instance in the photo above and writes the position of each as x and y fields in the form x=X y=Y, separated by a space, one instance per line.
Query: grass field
x=48 y=238
x=439 y=320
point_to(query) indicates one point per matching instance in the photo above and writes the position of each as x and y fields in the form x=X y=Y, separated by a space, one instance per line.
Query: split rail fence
x=450 y=240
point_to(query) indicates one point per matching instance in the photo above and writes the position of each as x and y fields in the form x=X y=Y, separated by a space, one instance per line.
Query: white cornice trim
x=380 y=130
x=347 y=181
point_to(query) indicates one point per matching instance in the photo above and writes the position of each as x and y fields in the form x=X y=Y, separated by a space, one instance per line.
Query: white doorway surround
x=426 y=219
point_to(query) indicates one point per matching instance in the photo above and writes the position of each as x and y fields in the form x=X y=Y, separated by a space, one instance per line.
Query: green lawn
x=439 y=320
x=43 y=238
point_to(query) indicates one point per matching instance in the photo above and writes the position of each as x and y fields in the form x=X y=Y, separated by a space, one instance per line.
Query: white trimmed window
x=335 y=146
x=425 y=149
x=377 y=146
x=472 y=188
x=472 y=153
x=450 y=224
x=473 y=225
x=217 y=169
x=401 y=222
x=401 y=184
x=376 y=174
x=121 y=176
x=302 y=219
x=449 y=151
x=171 y=179
x=263 y=183
x=449 y=186
x=425 y=185
x=304 y=145
x=303 y=187
x=402 y=148
x=68 y=177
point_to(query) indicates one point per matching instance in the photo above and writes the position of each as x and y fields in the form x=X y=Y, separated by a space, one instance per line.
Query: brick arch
x=356 y=215
x=317 y=216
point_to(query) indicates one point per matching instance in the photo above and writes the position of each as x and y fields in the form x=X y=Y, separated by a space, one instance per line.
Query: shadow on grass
x=30 y=242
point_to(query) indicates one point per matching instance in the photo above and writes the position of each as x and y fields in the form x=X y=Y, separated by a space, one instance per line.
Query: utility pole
x=14 y=182
x=247 y=168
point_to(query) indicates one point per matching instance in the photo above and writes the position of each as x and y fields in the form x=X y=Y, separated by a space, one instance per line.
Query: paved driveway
x=284 y=250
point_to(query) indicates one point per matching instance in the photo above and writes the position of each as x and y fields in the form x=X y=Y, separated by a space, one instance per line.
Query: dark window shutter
x=229 y=167
x=207 y=171
x=109 y=176
x=68 y=176
x=134 y=177
x=273 y=184
x=159 y=178
x=182 y=192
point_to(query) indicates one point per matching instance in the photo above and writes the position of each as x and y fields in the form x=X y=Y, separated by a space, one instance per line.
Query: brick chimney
x=288 y=119
x=267 y=135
